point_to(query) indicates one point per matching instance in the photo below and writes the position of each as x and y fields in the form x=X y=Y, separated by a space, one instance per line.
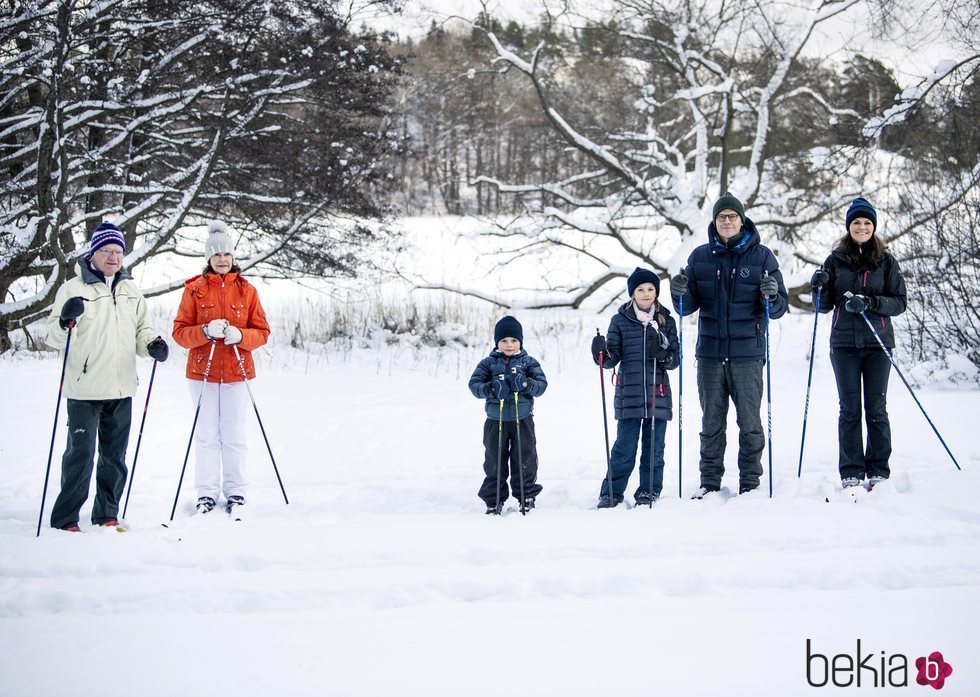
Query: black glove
x=678 y=284
x=657 y=347
x=819 y=279
x=860 y=303
x=498 y=388
x=158 y=350
x=769 y=287
x=517 y=382
x=599 y=346
x=71 y=311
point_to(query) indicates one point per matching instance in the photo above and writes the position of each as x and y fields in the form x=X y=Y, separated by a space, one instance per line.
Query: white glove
x=215 y=329
x=233 y=335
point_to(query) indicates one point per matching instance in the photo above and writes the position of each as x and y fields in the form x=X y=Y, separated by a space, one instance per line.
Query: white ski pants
x=220 y=438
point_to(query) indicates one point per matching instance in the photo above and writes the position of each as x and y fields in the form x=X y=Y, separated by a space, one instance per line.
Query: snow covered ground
x=383 y=576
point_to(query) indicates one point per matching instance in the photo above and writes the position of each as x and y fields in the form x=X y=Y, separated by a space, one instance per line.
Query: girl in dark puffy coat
x=643 y=343
x=509 y=380
x=860 y=265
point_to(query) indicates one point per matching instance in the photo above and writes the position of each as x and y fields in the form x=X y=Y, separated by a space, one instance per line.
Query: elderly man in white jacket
x=107 y=314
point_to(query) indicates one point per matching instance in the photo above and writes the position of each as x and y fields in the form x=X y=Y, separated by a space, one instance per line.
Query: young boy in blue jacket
x=509 y=380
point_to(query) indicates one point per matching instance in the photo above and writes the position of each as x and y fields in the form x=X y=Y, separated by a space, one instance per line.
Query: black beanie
x=861 y=208
x=508 y=326
x=641 y=276
x=726 y=202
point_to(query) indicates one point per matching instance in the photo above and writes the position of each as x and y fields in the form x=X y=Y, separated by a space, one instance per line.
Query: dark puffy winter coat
x=626 y=343
x=883 y=282
x=724 y=286
x=496 y=365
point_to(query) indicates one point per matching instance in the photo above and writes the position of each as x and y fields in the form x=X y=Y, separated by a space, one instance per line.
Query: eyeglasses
x=109 y=253
x=729 y=217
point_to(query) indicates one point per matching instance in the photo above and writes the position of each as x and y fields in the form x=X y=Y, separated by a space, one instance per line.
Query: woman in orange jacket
x=222 y=309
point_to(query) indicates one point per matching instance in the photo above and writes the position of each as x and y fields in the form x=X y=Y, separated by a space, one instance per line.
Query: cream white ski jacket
x=105 y=339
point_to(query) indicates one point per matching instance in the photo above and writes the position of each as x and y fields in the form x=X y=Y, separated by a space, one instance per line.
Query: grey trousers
x=741 y=382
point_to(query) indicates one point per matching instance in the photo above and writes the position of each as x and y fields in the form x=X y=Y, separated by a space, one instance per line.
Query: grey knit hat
x=219 y=241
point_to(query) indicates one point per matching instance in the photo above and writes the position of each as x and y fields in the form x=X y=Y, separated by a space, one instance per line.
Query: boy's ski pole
x=768 y=390
x=500 y=454
x=520 y=457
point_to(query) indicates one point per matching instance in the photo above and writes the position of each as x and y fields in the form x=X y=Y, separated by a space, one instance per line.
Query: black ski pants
x=508 y=458
x=862 y=372
x=740 y=382
x=110 y=421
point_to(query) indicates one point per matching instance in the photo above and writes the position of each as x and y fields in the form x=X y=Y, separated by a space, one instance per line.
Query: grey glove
x=769 y=287
x=215 y=329
x=233 y=335
x=678 y=284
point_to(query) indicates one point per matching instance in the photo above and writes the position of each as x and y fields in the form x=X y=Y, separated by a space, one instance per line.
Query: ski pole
x=653 y=431
x=500 y=454
x=911 y=391
x=605 y=418
x=146 y=406
x=809 y=380
x=241 y=365
x=680 y=399
x=54 y=429
x=197 y=411
x=768 y=389
x=520 y=456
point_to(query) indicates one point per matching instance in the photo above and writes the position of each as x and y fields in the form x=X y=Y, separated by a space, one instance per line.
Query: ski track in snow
x=383 y=575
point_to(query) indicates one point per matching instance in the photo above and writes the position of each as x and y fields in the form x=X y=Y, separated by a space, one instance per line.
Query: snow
x=383 y=576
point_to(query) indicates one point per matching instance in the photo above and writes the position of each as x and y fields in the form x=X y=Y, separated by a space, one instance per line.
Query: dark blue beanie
x=508 y=326
x=861 y=208
x=106 y=233
x=641 y=276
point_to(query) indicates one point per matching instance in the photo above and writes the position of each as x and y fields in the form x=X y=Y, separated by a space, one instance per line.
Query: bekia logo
x=933 y=670
x=881 y=670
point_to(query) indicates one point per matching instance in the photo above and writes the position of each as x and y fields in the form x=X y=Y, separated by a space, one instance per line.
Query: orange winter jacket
x=213 y=296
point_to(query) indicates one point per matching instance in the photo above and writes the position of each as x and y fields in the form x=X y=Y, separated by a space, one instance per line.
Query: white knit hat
x=219 y=240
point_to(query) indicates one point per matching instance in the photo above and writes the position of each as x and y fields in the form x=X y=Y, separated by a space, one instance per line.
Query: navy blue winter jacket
x=494 y=367
x=724 y=286
x=626 y=343
x=881 y=281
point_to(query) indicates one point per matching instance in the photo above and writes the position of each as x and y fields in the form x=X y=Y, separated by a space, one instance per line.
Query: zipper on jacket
x=645 y=400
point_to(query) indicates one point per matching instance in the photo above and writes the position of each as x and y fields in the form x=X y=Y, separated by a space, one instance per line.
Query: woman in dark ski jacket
x=643 y=342
x=860 y=265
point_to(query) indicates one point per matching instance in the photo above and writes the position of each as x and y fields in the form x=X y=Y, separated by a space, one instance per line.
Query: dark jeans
x=110 y=420
x=862 y=371
x=719 y=381
x=623 y=457
x=508 y=454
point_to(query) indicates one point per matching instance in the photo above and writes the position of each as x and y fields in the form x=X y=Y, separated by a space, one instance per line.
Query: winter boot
x=646 y=499
x=233 y=503
x=494 y=510
x=205 y=504
x=528 y=503
x=875 y=481
x=848 y=482
x=704 y=491
x=607 y=502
